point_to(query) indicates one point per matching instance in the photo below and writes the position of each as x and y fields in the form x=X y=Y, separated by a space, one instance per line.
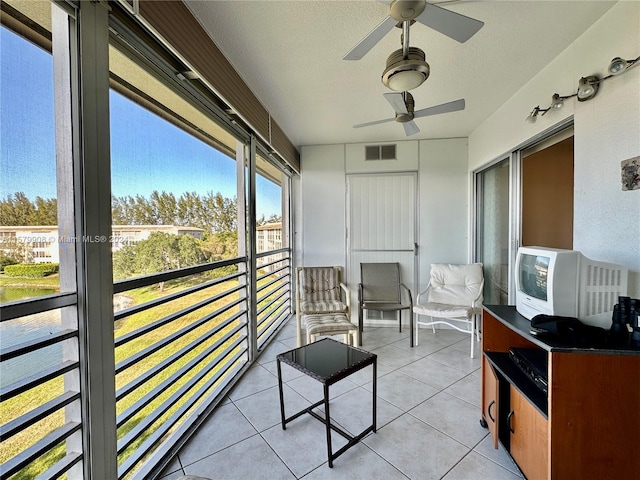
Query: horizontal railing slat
x=24 y=308
x=133 y=359
x=36 y=344
x=39 y=378
x=167 y=362
x=28 y=455
x=159 y=434
x=172 y=296
x=270 y=304
x=145 y=281
x=24 y=421
x=160 y=388
x=173 y=316
x=271 y=292
x=62 y=466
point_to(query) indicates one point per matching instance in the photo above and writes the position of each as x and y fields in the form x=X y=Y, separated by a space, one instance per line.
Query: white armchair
x=453 y=297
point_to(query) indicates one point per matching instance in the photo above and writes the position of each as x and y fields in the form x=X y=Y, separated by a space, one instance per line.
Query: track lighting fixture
x=587 y=88
x=619 y=65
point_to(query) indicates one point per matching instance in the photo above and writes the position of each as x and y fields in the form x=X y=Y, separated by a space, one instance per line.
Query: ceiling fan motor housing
x=403 y=117
x=403 y=10
x=404 y=74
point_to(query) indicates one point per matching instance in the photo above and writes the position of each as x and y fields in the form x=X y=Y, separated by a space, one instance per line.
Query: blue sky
x=147 y=153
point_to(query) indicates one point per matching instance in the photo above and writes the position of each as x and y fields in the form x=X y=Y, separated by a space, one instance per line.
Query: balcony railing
x=181 y=339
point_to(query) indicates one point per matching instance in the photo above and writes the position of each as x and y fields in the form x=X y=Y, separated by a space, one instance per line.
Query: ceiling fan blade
x=368 y=42
x=451 y=24
x=375 y=122
x=410 y=128
x=397 y=102
x=454 y=106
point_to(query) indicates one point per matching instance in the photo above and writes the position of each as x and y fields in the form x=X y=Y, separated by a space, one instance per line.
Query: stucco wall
x=607 y=131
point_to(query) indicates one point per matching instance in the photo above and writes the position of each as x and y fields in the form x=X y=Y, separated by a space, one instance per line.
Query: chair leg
x=360 y=325
x=400 y=321
x=473 y=332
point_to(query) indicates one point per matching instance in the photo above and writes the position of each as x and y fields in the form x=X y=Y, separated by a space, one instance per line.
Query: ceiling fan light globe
x=405 y=80
x=404 y=74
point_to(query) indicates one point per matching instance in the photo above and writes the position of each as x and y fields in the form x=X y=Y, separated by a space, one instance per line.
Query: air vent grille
x=380 y=152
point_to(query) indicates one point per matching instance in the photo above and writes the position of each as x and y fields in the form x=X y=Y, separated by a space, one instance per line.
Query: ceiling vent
x=379 y=152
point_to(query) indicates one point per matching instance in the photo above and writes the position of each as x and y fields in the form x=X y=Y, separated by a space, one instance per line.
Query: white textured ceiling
x=290 y=54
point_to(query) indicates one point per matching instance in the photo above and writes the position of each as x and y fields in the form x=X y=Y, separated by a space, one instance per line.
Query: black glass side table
x=328 y=362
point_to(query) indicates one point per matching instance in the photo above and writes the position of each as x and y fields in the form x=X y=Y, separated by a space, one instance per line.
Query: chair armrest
x=347 y=296
x=359 y=294
x=423 y=295
x=475 y=300
x=402 y=285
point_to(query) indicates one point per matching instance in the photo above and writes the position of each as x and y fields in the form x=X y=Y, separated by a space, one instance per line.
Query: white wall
x=607 y=131
x=444 y=203
x=320 y=225
x=443 y=199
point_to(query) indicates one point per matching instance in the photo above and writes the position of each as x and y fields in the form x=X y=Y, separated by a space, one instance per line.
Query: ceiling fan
x=406 y=68
x=403 y=105
x=451 y=24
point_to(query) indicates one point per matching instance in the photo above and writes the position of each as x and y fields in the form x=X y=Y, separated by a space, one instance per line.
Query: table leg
x=284 y=427
x=327 y=422
x=375 y=383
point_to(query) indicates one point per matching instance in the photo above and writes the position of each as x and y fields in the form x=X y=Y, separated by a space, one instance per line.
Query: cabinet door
x=490 y=399
x=528 y=437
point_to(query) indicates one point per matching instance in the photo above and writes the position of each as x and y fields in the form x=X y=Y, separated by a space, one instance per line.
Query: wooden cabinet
x=490 y=400
x=528 y=437
x=581 y=427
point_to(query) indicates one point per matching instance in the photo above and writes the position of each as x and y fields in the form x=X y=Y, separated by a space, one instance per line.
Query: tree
x=159 y=253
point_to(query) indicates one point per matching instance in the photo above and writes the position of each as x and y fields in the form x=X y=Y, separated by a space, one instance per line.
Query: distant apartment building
x=42 y=243
x=269 y=237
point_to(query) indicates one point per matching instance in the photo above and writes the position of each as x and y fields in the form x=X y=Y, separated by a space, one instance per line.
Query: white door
x=382 y=226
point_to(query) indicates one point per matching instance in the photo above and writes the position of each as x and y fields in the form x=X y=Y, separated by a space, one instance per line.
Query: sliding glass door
x=492 y=234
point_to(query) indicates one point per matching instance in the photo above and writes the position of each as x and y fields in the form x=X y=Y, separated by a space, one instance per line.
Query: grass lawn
x=50 y=281
x=21 y=404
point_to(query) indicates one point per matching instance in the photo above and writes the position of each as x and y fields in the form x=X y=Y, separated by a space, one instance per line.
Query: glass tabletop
x=327 y=359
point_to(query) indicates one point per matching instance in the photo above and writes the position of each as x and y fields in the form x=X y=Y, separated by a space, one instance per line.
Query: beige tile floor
x=427 y=417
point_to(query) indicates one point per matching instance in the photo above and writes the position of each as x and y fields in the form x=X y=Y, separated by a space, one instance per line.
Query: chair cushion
x=319 y=284
x=442 y=310
x=328 y=323
x=455 y=284
x=326 y=306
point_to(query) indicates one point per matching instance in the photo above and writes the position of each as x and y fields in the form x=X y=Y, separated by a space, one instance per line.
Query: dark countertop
x=509 y=317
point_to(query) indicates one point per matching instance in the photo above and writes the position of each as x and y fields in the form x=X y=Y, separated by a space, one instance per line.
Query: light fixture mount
x=405 y=73
x=406 y=10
